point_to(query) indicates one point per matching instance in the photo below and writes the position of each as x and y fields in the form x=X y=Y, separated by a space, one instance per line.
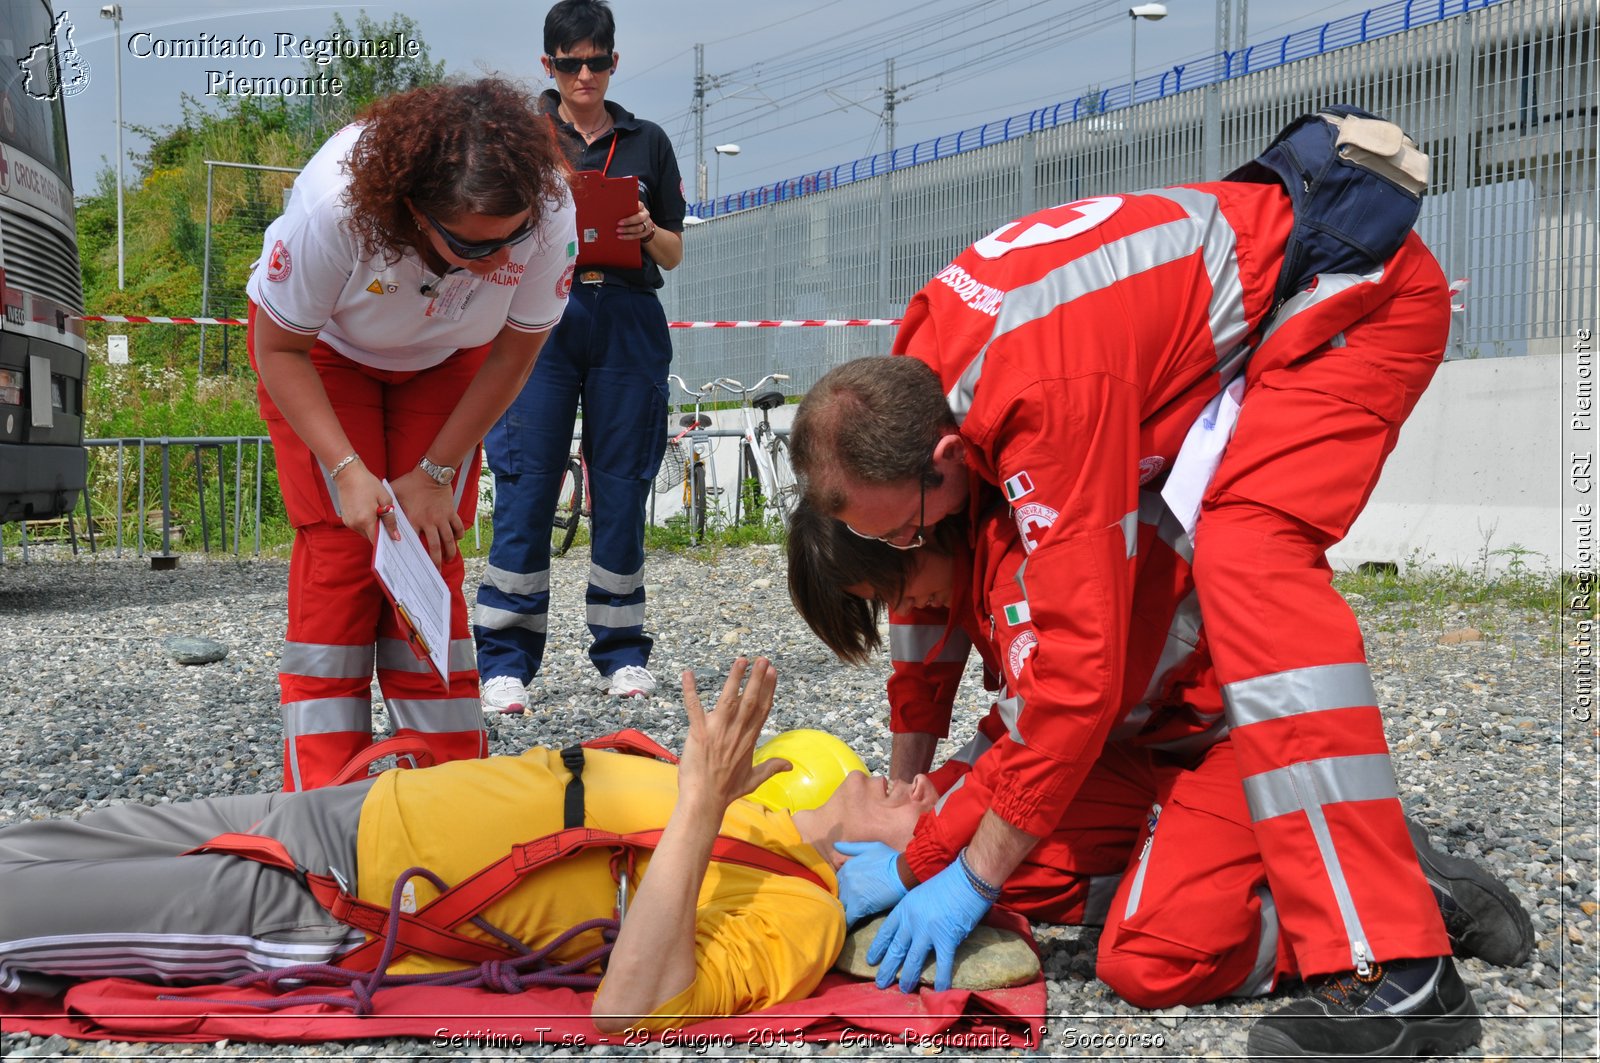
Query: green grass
x=1421 y=594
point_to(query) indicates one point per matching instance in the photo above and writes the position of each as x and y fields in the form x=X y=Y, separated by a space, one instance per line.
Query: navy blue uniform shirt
x=642 y=151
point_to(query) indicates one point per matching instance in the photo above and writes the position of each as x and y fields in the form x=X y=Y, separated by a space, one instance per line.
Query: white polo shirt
x=313 y=279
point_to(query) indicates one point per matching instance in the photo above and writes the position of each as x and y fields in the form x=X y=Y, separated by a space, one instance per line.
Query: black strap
x=572 y=812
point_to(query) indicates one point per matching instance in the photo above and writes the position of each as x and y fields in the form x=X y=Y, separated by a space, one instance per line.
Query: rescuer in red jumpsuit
x=1064 y=358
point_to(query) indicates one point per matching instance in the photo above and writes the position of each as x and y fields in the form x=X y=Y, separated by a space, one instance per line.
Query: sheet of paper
x=419 y=592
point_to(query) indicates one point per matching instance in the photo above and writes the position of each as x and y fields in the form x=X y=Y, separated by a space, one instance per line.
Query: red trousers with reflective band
x=340 y=624
x=1312 y=438
x=1163 y=856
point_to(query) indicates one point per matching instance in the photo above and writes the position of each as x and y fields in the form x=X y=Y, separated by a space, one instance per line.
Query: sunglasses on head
x=469 y=250
x=570 y=64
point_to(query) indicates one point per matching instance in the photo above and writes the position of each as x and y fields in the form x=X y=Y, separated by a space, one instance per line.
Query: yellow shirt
x=760 y=938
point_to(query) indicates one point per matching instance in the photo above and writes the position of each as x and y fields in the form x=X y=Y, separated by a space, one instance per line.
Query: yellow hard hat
x=821 y=761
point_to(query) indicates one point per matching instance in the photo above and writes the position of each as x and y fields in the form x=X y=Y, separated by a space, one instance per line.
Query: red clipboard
x=601 y=203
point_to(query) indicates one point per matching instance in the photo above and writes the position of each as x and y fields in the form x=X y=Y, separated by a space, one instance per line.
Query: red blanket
x=842 y=1009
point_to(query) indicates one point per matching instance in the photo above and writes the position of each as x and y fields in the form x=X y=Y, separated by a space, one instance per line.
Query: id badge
x=452 y=298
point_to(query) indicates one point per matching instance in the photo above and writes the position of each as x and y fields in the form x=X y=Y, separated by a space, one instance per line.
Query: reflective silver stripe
x=1298 y=690
x=938 y=806
x=1328 y=286
x=394 y=655
x=616 y=583
x=1218 y=247
x=1182 y=634
x=523 y=583
x=1136 y=891
x=435 y=715
x=975 y=748
x=1259 y=981
x=458 y=489
x=615 y=615
x=1097 y=904
x=317 y=716
x=331 y=487
x=1309 y=786
x=1130 y=531
x=1154 y=511
x=504 y=619
x=912 y=643
x=323 y=661
x=1010 y=710
x=1111 y=262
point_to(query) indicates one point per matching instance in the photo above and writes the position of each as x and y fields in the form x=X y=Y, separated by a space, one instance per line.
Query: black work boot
x=1403 y=1009
x=1480 y=914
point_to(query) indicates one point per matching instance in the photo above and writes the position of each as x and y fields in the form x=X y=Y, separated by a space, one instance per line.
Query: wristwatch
x=439 y=474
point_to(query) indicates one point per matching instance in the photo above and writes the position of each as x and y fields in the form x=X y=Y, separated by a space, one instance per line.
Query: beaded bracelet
x=333 y=473
x=988 y=892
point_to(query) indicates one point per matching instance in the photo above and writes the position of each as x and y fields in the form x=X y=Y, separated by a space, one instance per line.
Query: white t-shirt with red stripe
x=312 y=278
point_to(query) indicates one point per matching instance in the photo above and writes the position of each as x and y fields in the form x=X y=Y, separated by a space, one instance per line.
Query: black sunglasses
x=570 y=64
x=465 y=249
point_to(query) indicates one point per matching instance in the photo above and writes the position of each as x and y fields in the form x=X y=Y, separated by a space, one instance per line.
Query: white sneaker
x=504 y=694
x=631 y=681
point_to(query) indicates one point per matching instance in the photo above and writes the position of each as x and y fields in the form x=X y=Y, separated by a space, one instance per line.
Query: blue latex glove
x=937 y=915
x=869 y=881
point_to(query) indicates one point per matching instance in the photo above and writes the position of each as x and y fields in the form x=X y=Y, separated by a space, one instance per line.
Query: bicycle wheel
x=697 y=519
x=785 y=489
x=751 y=501
x=569 y=510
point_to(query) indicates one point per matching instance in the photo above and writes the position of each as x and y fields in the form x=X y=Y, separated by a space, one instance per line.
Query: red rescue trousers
x=340 y=624
x=1311 y=440
x=1161 y=853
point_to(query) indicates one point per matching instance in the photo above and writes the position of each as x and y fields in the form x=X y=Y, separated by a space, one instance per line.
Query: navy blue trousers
x=610 y=353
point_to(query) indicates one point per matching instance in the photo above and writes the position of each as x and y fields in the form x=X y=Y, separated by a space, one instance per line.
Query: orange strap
x=429 y=930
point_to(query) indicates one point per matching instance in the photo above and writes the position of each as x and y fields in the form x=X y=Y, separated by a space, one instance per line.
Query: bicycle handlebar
x=733 y=387
x=687 y=390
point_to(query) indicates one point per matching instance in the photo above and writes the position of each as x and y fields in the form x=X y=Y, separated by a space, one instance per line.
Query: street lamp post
x=114 y=13
x=1150 y=13
x=721 y=150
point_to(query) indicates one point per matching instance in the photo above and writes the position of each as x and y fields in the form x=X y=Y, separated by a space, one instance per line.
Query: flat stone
x=990 y=958
x=1460 y=635
x=192 y=649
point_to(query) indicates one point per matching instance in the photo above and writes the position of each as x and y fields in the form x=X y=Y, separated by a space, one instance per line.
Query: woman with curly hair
x=398 y=306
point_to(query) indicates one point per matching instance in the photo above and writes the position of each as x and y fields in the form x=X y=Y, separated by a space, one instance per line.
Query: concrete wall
x=1483 y=465
x=1480 y=467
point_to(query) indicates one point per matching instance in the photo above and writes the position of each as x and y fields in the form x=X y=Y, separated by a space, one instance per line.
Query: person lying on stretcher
x=113 y=893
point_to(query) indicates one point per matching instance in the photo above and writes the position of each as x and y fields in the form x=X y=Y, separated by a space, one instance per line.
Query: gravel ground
x=92 y=710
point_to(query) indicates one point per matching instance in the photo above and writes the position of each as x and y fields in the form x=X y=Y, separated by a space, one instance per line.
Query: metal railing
x=105 y=506
x=142 y=492
x=1359 y=28
x=1502 y=98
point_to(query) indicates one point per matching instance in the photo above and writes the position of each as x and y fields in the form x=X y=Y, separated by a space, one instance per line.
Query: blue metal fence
x=1354 y=29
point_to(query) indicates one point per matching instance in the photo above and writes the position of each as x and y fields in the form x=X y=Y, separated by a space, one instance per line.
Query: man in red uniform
x=1065 y=358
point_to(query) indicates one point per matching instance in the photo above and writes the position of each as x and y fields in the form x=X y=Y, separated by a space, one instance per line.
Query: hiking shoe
x=630 y=681
x=504 y=694
x=1480 y=914
x=1403 y=1009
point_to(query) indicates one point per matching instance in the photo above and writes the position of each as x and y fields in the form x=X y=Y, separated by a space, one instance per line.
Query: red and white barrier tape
x=134 y=319
x=809 y=323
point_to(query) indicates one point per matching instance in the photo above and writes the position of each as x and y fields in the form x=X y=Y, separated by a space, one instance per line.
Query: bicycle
x=686 y=466
x=573 y=503
x=763 y=454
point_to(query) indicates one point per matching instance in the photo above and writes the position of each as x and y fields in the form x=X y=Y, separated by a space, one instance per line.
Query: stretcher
x=843 y=1010
x=507 y=1012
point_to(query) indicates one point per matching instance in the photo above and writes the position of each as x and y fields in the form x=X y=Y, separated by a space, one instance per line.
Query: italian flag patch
x=1018 y=614
x=1019 y=486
